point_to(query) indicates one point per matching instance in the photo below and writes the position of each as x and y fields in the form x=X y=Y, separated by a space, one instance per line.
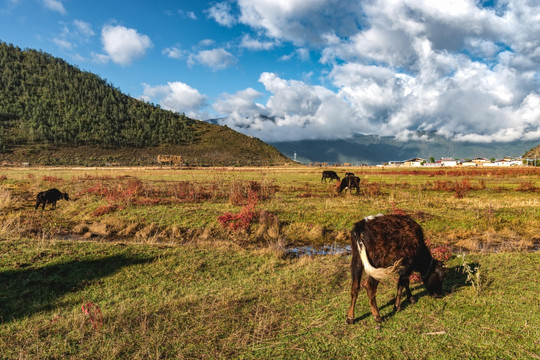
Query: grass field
x=229 y=291
x=218 y=301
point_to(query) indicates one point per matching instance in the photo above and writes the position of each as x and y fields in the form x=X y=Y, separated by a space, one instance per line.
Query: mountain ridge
x=376 y=149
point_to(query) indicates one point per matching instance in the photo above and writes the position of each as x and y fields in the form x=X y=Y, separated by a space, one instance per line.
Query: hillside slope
x=53 y=113
x=533 y=153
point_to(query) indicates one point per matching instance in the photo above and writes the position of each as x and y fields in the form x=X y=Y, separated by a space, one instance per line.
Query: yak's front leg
x=410 y=296
x=403 y=282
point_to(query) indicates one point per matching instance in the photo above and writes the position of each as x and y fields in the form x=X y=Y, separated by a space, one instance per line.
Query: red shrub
x=461 y=188
x=241 y=191
x=373 y=189
x=52 y=179
x=527 y=186
x=396 y=210
x=441 y=185
x=241 y=220
x=105 y=209
x=441 y=253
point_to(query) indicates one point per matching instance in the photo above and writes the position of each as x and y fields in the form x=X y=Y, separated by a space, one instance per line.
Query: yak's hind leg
x=371 y=288
x=356 y=273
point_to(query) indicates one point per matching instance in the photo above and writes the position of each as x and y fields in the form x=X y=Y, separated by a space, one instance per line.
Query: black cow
x=50 y=196
x=330 y=175
x=349 y=182
x=385 y=245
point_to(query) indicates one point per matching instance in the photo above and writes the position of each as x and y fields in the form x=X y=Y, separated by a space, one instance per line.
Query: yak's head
x=434 y=279
x=339 y=189
x=65 y=196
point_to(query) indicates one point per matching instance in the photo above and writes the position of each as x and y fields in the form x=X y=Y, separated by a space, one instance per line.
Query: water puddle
x=336 y=249
x=320 y=250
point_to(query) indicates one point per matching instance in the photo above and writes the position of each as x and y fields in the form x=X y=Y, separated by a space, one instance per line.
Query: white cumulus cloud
x=221 y=13
x=255 y=44
x=216 y=59
x=123 y=45
x=55 y=5
x=73 y=35
x=294 y=111
x=178 y=97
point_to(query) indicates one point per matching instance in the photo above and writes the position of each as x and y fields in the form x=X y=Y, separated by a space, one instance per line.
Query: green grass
x=216 y=300
x=227 y=294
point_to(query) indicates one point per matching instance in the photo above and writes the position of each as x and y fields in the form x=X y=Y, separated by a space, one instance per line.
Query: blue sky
x=308 y=69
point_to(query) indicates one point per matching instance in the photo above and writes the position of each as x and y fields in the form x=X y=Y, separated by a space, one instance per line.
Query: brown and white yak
x=385 y=246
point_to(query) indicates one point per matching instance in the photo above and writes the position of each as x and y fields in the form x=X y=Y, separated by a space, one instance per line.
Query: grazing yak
x=349 y=182
x=329 y=174
x=50 y=196
x=385 y=245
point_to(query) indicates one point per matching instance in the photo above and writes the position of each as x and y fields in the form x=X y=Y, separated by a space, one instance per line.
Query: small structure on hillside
x=169 y=159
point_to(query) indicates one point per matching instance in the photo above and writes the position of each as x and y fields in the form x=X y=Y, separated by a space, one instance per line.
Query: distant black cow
x=349 y=182
x=384 y=245
x=329 y=174
x=50 y=196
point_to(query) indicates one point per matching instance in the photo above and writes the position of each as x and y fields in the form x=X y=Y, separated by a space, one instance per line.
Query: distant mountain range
x=373 y=149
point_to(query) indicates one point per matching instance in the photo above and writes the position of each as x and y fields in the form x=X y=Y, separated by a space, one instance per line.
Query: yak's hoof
x=378 y=319
x=350 y=321
x=412 y=300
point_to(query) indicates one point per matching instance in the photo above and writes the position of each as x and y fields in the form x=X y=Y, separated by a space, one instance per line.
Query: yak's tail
x=377 y=273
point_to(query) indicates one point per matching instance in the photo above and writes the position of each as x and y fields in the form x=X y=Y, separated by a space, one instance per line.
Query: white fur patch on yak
x=371 y=217
x=377 y=273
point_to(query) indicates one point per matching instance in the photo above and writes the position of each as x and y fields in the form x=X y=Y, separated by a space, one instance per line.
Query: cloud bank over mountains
x=469 y=71
x=466 y=70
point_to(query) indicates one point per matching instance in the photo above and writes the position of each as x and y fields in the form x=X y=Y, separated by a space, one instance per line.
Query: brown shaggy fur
x=388 y=239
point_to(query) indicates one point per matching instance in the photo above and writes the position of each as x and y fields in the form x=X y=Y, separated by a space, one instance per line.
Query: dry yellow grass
x=6 y=200
x=298 y=208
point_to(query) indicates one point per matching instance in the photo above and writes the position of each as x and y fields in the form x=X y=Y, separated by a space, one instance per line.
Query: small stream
x=337 y=249
x=309 y=250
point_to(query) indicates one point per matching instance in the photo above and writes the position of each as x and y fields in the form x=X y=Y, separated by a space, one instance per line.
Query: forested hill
x=534 y=153
x=46 y=103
